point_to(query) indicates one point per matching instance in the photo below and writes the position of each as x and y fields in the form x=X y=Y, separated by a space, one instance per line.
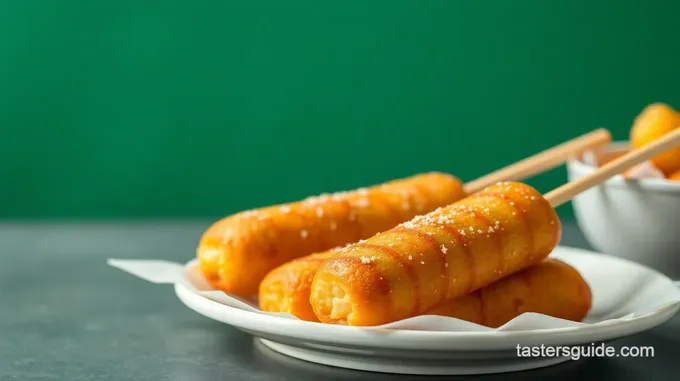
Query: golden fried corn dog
x=446 y=254
x=237 y=252
x=286 y=288
x=675 y=176
x=551 y=287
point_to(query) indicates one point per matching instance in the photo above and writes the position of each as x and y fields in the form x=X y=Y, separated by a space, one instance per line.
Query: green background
x=167 y=108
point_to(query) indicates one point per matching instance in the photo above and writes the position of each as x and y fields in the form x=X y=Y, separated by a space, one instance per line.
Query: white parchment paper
x=621 y=290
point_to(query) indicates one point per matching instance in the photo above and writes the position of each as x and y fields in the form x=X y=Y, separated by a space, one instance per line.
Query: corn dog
x=551 y=287
x=446 y=254
x=287 y=287
x=238 y=251
x=235 y=253
x=675 y=176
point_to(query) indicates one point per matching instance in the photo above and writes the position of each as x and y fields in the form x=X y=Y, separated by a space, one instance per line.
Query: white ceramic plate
x=627 y=298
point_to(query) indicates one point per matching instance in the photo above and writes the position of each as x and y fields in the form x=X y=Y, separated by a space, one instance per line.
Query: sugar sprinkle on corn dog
x=238 y=251
x=446 y=254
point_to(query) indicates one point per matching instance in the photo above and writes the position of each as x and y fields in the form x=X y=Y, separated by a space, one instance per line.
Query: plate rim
x=454 y=368
x=429 y=340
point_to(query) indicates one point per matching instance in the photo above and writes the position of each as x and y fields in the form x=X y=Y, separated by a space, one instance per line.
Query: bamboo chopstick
x=542 y=161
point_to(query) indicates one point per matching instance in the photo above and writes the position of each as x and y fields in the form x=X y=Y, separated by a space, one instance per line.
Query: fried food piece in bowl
x=655 y=121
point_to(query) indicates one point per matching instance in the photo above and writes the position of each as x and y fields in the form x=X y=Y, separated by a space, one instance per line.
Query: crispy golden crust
x=442 y=255
x=551 y=288
x=237 y=252
x=675 y=176
x=286 y=288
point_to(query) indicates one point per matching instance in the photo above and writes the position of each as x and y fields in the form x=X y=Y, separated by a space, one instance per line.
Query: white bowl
x=635 y=219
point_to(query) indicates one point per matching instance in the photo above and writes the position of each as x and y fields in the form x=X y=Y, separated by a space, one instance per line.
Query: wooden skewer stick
x=542 y=161
x=567 y=191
